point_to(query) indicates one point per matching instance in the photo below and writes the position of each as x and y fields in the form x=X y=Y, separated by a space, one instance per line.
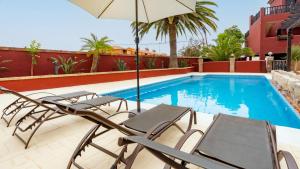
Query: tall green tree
x=235 y=32
x=197 y=23
x=228 y=44
x=94 y=47
x=33 y=50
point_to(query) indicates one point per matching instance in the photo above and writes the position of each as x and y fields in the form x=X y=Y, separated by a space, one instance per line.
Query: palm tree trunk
x=31 y=67
x=31 y=70
x=94 y=67
x=173 y=46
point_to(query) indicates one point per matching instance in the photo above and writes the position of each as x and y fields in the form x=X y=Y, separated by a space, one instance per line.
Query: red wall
x=21 y=62
x=250 y=66
x=20 y=65
x=221 y=66
x=47 y=82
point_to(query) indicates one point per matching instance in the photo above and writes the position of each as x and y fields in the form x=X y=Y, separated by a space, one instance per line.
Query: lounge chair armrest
x=290 y=161
x=183 y=140
x=119 y=113
x=156 y=127
x=132 y=114
x=162 y=151
x=31 y=94
x=185 y=137
x=122 y=141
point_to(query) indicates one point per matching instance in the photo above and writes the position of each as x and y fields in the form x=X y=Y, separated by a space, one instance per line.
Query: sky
x=58 y=24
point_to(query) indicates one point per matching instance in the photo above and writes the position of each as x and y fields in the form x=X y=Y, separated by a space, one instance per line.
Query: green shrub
x=228 y=44
x=121 y=64
x=68 y=65
x=183 y=63
x=150 y=63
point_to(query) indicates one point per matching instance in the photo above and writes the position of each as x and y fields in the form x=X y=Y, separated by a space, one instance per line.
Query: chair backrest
x=92 y=116
x=5 y=90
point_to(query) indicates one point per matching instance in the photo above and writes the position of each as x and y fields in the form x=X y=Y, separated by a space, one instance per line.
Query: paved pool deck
x=54 y=143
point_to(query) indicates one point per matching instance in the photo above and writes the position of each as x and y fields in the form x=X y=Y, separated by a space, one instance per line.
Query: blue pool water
x=245 y=96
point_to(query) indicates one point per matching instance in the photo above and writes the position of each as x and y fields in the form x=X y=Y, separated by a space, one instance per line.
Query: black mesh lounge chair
x=41 y=112
x=230 y=142
x=23 y=102
x=150 y=124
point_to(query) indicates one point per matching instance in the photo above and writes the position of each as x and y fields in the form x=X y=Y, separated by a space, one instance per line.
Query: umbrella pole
x=137 y=41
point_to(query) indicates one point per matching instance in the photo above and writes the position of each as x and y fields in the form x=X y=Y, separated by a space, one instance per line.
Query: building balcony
x=271 y=11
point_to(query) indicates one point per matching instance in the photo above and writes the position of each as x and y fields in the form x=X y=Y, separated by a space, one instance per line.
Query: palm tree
x=197 y=23
x=33 y=50
x=95 y=47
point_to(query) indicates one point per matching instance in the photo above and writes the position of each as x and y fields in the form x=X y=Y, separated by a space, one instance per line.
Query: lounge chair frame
x=47 y=113
x=24 y=101
x=109 y=125
x=168 y=155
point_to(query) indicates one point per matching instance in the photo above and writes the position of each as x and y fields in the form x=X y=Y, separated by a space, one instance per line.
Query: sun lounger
x=41 y=112
x=150 y=124
x=24 y=101
x=230 y=142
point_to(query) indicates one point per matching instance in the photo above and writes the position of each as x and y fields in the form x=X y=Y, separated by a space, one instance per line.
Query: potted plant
x=121 y=65
x=150 y=63
x=68 y=65
x=33 y=50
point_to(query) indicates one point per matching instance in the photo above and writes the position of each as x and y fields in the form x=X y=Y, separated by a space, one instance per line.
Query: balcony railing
x=273 y=11
x=277 y=10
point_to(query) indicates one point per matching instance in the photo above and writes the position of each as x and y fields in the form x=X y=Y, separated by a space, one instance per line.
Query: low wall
x=107 y=63
x=250 y=66
x=21 y=62
x=240 y=66
x=220 y=66
x=55 y=81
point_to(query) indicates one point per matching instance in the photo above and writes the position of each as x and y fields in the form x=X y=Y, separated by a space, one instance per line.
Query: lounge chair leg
x=81 y=146
x=35 y=130
x=119 y=107
x=126 y=103
x=192 y=114
x=131 y=158
x=195 y=117
x=14 y=112
x=15 y=103
x=39 y=121
x=120 y=158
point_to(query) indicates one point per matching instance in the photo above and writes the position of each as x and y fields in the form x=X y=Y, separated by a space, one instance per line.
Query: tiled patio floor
x=55 y=142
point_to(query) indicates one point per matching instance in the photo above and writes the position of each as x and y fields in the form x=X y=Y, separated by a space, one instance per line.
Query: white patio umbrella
x=139 y=11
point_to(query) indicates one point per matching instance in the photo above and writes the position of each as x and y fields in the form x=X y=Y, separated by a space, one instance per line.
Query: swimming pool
x=246 y=96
